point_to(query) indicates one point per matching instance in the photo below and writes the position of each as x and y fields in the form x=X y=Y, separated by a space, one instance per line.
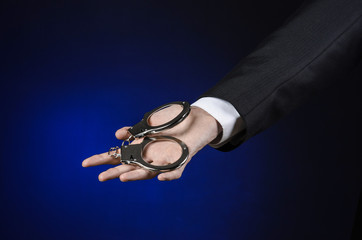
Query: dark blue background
x=73 y=72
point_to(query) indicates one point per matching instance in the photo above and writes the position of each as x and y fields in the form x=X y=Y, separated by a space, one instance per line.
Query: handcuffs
x=133 y=153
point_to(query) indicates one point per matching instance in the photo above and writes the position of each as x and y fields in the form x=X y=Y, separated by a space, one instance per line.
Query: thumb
x=122 y=133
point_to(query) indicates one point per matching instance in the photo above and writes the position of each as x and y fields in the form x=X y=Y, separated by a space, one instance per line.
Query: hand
x=196 y=131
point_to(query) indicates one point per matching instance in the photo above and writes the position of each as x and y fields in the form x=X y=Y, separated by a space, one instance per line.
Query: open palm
x=196 y=131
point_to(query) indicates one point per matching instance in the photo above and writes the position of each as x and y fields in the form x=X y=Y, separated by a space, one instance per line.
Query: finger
x=173 y=175
x=100 y=159
x=139 y=174
x=115 y=172
x=123 y=134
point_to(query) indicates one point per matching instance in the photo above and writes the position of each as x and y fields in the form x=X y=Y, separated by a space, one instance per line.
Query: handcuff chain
x=128 y=140
x=116 y=151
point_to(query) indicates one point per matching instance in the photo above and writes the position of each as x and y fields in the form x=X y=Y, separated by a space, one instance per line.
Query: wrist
x=228 y=118
x=209 y=123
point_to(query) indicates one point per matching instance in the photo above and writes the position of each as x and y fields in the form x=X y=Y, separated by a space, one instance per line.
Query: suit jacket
x=316 y=45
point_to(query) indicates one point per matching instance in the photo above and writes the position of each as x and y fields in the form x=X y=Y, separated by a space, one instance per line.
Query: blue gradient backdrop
x=73 y=72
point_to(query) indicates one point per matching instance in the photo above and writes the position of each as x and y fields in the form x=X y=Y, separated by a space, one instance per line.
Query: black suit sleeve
x=321 y=41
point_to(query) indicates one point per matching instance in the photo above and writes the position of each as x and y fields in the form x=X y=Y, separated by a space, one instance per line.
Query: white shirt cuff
x=225 y=113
